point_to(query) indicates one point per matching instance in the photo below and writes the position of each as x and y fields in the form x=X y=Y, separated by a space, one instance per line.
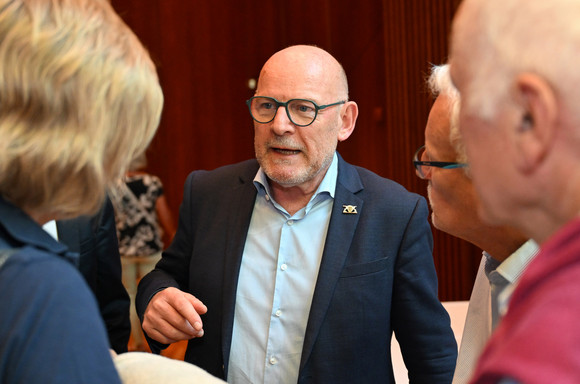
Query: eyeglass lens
x=300 y=112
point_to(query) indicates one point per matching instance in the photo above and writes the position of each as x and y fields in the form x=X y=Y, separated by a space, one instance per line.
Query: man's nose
x=282 y=123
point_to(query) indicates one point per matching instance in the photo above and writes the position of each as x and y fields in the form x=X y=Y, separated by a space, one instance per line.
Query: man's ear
x=348 y=115
x=538 y=121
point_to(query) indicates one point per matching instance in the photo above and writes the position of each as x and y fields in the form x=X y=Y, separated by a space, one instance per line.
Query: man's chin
x=285 y=176
x=285 y=180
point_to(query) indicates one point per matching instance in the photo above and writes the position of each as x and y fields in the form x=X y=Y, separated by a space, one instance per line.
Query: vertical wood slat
x=207 y=51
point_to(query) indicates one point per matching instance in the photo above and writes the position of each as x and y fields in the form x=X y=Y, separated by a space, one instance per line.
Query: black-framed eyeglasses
x=422 y=165
x=301 y=112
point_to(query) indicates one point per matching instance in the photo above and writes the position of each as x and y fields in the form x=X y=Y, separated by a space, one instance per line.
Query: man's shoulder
x=373 y=180
x=374 y=185
x=87 y=225
x=222 y=182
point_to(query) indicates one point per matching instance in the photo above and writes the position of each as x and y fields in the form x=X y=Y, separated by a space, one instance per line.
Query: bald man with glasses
x=454 y=202
x=298 y=267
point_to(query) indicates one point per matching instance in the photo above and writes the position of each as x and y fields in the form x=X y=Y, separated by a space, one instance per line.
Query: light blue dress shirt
x=276 y=284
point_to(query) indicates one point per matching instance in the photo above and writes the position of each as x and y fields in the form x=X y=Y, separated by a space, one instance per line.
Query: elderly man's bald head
x=306 y=61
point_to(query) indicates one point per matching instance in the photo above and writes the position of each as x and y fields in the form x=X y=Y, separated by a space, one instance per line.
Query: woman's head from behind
x=79 y=99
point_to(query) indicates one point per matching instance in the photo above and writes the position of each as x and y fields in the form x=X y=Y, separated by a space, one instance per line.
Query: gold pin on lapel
x=349 y=209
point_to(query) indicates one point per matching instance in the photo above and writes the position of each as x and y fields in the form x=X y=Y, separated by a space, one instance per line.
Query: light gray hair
x=439 y=83
x=510 y=37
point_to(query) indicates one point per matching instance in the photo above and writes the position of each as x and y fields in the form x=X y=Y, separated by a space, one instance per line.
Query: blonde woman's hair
x=138 y=162
x=79 y=99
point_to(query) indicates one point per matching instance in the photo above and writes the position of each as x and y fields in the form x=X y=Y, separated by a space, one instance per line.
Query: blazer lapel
x=341 y=230
x=243 y=198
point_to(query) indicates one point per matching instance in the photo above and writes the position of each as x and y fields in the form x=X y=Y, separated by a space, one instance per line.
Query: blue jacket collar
x=20 y=230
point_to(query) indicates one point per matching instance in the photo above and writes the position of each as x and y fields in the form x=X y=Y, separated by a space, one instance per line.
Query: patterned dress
x=137 y=225
x=139 y=233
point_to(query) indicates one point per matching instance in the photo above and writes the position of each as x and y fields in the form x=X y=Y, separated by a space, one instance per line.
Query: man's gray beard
x=297 y=180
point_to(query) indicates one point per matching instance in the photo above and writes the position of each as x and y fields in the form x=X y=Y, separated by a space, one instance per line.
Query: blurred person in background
x=142 y=219
x=95 y=239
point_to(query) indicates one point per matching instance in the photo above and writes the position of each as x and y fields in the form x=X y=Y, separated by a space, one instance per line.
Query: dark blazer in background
x=376 y=276
x=95 y=238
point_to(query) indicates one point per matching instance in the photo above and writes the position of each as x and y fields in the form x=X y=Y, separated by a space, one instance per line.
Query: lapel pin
x=349 y=209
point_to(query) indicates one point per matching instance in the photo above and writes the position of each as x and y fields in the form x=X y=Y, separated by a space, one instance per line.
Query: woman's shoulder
x=43 y=274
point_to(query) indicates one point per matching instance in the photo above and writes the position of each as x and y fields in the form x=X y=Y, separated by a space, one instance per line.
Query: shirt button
x=290 y=222
x=278 y=313
x=273 y=360
x=267 y=198
x=283 y=267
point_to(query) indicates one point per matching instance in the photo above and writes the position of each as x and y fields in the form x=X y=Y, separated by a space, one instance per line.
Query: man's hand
x=173 y=315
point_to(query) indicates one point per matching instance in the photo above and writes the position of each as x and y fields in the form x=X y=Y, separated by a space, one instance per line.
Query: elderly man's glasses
x=423 y=166
x=301 y=112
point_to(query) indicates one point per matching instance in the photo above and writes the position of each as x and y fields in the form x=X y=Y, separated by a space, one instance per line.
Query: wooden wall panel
x=206 y=52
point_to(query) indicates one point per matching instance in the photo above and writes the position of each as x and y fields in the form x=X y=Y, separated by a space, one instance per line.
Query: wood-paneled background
x=207 y=52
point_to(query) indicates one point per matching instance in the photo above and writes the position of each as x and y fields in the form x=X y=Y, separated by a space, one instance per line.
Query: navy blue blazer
x=95 y=239
x=376 y=276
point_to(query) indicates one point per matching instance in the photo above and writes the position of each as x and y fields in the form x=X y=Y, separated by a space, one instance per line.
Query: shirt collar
x=512 y=268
